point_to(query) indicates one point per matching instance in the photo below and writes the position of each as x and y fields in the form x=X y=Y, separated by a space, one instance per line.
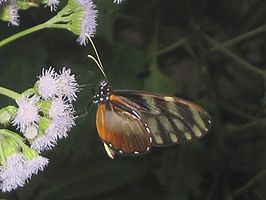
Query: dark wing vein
x=171 y=120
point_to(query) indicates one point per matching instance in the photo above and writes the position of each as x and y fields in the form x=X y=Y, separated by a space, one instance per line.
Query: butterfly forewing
x=121 y=130
x=169 y=119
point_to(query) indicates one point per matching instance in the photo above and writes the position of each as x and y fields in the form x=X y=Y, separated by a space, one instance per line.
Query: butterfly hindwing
x=121 y=130
x=170 y=120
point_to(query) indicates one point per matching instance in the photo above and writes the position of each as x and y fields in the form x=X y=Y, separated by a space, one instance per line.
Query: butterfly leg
x=84 y=113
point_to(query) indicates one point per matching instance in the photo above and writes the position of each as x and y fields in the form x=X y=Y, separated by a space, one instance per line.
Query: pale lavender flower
x=60 y=108
x=47 y=86
x=13 y=174
x=62 y=114
x=18 y=170
x=67 y=84
x=36 y=164
x=43 y=142
x=53 y=4
x=52 y=85
x=3 y=1
x=27 y=113
x=118 y=1
x=88 y=25
x=31 y=132
x=13 y=13
x=58 y=129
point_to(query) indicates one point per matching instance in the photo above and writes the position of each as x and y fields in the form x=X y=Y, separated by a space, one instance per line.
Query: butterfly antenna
x=98 y=61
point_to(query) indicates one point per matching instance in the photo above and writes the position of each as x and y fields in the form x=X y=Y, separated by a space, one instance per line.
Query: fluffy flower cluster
x=17 y=170
x=44 y=114
x=48 y=115
x=88 y=26
x=12 y=11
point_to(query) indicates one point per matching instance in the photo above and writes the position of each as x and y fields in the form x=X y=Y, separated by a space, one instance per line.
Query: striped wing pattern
x=170 y=120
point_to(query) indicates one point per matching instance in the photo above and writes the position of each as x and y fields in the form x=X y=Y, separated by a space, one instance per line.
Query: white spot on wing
x=169 y=99
x=148 y=130
x=136 y=114
x=109 y=151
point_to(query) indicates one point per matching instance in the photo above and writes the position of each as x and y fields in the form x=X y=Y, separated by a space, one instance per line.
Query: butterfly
x=131 y=122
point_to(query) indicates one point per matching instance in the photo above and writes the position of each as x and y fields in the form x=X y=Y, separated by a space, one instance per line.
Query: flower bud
x=6 y=114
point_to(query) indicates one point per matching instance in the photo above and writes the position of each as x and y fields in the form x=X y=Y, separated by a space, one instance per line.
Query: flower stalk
x=9 y=93
x=62 y=17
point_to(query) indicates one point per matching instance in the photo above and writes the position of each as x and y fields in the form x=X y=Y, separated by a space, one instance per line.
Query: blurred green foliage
x=211 y=52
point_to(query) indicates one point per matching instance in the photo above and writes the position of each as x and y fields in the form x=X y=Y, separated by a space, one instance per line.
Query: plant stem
x=48 y=24
x=233 y=56
x=9 y=93
x=172 y=46
x=240 y=38
x=22 y=33
x=249 y=184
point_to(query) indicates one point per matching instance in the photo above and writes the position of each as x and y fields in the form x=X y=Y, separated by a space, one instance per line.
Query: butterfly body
x=130 y=122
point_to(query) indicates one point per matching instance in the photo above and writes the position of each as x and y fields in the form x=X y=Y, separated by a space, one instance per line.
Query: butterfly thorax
x=103 y=93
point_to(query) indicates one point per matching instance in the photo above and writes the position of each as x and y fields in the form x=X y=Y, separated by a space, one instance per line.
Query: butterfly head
x=101 y=92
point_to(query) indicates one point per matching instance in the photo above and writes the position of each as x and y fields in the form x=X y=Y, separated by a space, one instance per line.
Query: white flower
x=3 y=1
x=88 y=24
x=18 y=170
x=48 y=86
x=13 y=174
x=27 y=113
x=36 y=164
x=52 y=85
x=53 y=4
x=43 y=142
x=58 y=129
x=62 y=115
x=31 y=132
x=59 y=108
x=67 y=84
x=13 y=13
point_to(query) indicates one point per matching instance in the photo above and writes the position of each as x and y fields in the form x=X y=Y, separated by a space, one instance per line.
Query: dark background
x=211 y=52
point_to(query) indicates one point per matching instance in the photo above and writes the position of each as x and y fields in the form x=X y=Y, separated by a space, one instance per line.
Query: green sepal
x=9 y=147
x=6 y=114
x=76 y=17
x=44 y=123
x=45 y=106
x=73 y=5
x=4 y=13
x=29 y=153
x=26 y=4
x=29 y=92
x=35 y=88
